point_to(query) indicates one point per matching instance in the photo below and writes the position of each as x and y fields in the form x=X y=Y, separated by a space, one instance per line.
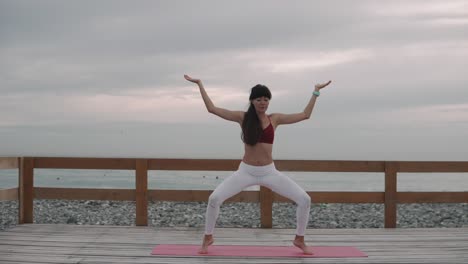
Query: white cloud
x=418 y=8
x=423 y=116
x=441 y=48
x=286 y=61
x=448 y=21
x=440 y=114
x=393 y=64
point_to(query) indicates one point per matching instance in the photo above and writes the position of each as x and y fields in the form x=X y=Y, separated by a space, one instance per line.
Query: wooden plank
x=199 y=196
x=193 y=164
x=391 y=169
x=340 y=197
x=85 y=163
x=84 y=194
x=433 y=166
x=9 y=163
x=141 y=181
x=284 y=165
x=227 y=165
x=432 y=197
x=330 y=165
x=26 y=190
x=245 y=196
x=9 y=194
x=179 y=195
x=266 y=207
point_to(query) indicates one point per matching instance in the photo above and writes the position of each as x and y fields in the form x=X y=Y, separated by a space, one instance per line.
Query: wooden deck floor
x=38 y=243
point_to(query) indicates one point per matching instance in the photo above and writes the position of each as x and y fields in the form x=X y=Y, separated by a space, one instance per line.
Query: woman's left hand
x=322 y=85
x=190 y=79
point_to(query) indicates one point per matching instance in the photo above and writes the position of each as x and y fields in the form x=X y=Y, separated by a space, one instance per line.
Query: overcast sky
x=105 y=78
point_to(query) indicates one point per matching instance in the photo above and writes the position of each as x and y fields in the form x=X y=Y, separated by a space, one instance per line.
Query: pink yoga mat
x=258 y=251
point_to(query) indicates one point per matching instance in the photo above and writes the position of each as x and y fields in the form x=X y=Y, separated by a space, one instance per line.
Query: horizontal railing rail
x=390 y=197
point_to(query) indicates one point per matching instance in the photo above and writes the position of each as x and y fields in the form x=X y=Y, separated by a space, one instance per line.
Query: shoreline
x=246 y=215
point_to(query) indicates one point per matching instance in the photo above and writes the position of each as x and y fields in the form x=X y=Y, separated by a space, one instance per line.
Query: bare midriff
x=258 y=155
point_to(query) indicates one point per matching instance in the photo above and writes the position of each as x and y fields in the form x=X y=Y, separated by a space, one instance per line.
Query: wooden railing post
x=390 y=194
x=26 y=190
x=266 y=207
x=141 y=194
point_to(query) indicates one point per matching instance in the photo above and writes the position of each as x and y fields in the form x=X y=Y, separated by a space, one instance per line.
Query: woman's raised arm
x=236 y=116
x=294 y=118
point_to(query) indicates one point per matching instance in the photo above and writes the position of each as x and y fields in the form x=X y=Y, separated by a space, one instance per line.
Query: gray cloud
x=389 y=61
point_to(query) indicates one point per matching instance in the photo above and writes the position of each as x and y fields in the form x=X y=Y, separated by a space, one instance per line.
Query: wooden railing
x=26 y=191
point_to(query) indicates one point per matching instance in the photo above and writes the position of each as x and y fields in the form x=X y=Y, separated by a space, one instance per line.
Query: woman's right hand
x=190 y=79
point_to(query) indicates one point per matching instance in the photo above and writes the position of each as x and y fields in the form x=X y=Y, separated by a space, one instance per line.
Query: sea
x=208 y=180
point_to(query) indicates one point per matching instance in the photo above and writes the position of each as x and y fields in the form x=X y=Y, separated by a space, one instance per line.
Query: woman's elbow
x=211 y=110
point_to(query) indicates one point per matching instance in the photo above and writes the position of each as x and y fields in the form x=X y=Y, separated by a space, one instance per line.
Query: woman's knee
x=305 y=200
x=214 y=200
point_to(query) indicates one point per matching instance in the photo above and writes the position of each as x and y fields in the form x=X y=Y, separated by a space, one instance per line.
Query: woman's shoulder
x=274 y=115
x=274 y=118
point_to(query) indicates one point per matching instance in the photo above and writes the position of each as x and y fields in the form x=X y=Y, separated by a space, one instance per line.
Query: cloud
x=287 y=61
x=398 y=63
x=419 y=8
x=435 y=114
x=147 y=104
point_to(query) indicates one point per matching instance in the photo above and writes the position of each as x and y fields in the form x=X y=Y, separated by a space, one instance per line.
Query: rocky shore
x=192 y=214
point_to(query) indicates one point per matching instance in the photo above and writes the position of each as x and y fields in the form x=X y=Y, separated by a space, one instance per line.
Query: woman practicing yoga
x=257 y=167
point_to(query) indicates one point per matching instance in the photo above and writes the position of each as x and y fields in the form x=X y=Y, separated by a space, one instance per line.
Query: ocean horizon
x=208 y=180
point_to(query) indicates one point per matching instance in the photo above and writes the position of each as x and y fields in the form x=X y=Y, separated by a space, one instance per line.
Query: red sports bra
x=268 y=134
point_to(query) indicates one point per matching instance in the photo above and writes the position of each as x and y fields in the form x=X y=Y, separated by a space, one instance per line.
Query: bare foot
x=207 y=241
x=299 y=242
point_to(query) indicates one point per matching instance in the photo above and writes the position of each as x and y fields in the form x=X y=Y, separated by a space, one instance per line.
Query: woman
x=257 y=167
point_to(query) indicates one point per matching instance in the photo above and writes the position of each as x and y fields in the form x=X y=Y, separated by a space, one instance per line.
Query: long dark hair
x=251 y=125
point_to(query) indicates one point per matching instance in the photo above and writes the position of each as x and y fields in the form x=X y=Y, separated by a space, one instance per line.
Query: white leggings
x=268 y=176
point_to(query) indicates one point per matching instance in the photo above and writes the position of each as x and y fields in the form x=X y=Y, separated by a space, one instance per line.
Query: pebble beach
x=246 y=215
